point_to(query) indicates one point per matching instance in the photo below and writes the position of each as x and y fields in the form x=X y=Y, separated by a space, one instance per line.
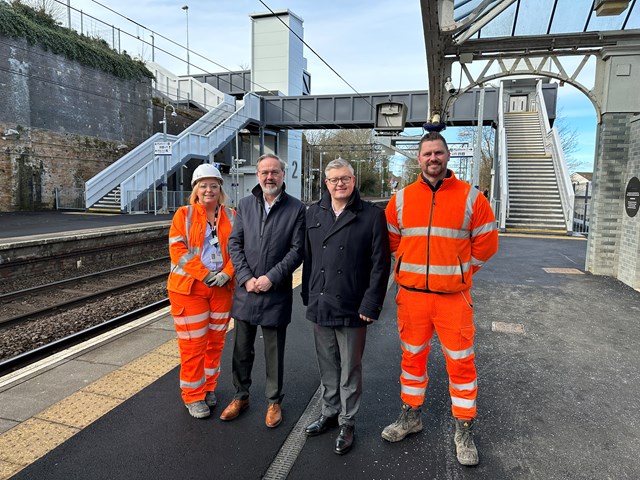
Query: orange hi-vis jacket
x=440 y=238
x=186 y=241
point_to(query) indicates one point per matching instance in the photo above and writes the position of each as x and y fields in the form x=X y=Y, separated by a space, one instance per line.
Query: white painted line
x=52 y=361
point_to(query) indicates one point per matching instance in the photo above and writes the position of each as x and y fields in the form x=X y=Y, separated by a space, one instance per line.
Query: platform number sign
x=162 y=148
x=632 y=197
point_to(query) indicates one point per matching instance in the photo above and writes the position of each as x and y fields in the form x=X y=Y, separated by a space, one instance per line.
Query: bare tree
x=469 y=135
x=355 y=146
x=570 y=140
x=52 y=8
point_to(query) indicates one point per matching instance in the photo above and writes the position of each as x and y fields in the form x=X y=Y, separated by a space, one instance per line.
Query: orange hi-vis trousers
x=201 y=320
x=451 y=316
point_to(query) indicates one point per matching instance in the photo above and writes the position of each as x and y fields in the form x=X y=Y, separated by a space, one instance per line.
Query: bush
x=39 y=28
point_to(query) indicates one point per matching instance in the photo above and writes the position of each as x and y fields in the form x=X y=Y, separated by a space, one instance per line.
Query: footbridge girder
x=308 y=112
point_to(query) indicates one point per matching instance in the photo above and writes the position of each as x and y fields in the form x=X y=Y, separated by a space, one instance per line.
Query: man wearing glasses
x=266 y=246
x=344 y=282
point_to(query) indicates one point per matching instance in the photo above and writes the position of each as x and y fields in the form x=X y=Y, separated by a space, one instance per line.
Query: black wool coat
x=346 y=262
x=271 y=245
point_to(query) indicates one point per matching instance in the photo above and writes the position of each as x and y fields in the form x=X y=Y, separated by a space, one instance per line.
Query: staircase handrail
x=191 y=144
x=502 y=163
x=186 y=88
x=102 y=183
x=553 y=145
x=135 y=160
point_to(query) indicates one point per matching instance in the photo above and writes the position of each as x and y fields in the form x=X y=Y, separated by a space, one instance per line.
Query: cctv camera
x=449 y=87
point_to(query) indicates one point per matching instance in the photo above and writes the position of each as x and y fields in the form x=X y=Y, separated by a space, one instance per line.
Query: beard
x=270 y=189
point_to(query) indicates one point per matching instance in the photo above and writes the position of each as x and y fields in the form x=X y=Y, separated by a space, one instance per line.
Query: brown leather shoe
x=274 y=415
x=235 y=408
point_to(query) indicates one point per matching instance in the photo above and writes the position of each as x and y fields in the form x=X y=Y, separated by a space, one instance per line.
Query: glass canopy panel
x=501 y=26
x=570 y=16
x=533 y=17
x=634 y=18
x=606 y=23
x=461 y=8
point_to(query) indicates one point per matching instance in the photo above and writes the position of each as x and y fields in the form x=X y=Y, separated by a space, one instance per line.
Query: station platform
x=52 y=224
x=556 y=352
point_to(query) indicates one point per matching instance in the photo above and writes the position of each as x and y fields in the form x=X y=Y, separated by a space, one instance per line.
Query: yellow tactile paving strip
x=27 y=442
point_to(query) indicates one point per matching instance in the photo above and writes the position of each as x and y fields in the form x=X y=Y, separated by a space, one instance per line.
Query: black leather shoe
x=321 y=425
x=344 y=442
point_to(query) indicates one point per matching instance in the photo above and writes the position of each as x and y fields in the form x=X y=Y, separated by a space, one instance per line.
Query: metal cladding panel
x=550 y=94
x=309 y=110
x=291 y=110
x=363 y=109
x=273 y=112
x=343 y=109
x=464 y=111
x=325 y=109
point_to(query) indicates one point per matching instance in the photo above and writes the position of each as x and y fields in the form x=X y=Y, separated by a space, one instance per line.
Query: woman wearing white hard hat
x=201 y=287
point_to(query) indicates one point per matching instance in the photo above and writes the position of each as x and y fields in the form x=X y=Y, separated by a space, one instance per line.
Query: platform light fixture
x=186 y=10
x=609 y=8
x=165 y=179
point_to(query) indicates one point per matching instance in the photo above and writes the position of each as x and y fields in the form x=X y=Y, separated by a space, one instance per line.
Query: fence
x=69 y=198
x=582 y=207
x=124 y=34
x=151 y=201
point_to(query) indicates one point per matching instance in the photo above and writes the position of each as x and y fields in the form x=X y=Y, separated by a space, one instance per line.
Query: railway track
x=31 y=356
x=32 y=303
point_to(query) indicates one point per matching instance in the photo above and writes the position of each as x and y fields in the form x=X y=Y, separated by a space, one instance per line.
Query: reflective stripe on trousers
x=201 y=321
x=451 y=317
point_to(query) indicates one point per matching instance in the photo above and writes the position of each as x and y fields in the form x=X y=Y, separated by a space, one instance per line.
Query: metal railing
x=69 y=198
x=184 y=89
x=150 y=201
x=502 y=203
x=582 y=208
x=192 y=143
x=553 y=146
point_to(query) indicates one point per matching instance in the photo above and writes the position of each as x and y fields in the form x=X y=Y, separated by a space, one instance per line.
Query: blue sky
x=375 y=46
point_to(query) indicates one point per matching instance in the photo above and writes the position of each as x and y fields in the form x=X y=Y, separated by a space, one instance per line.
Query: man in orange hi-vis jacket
x=441 y=230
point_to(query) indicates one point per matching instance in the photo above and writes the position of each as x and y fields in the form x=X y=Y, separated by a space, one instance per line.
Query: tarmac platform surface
x=557 y=359
x=21 y=224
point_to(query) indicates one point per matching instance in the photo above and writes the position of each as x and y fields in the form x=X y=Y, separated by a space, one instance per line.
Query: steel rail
x=67 y=304
x=27 y=358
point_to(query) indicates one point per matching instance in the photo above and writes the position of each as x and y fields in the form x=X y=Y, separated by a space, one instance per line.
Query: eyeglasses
x=212 y=186
x=344 y=180
x=273 y=173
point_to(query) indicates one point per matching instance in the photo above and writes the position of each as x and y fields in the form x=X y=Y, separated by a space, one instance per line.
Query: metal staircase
x=534 y=199
x=110 y=203
x=135 y=174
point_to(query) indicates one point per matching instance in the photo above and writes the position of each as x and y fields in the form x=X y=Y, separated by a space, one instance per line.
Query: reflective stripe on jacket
x=186 y=240
x=440 y=238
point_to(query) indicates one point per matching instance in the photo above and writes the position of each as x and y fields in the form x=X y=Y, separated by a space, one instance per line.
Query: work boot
x=198 y=409
x=211 y=399
x=465 y=448
x=408 y=422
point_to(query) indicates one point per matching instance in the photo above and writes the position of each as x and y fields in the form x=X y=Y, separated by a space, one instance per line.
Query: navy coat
x=346 y=262
x=271 y=245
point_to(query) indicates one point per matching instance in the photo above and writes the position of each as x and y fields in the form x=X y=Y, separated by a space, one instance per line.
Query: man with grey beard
x=266 y=246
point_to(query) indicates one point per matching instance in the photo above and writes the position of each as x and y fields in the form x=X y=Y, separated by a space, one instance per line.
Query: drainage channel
x=292 y=446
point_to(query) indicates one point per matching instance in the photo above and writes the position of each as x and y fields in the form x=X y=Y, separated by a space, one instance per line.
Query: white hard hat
x=206 y=170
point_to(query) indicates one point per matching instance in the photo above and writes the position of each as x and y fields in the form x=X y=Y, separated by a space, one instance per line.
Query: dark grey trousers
x=339 y=351
x=244 y=354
